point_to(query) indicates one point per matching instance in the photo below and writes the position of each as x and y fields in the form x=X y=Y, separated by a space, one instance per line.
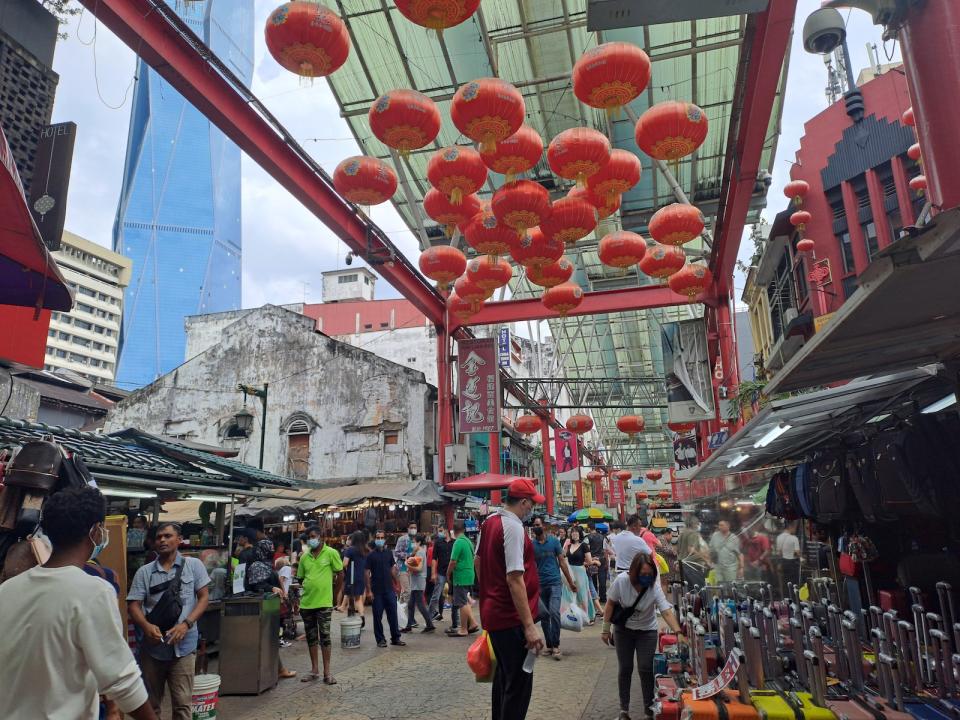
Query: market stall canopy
x=906 y=313
x=483 y=481
x=787 y=430
x=29 y=276
x=181 y=511
x=422 y=492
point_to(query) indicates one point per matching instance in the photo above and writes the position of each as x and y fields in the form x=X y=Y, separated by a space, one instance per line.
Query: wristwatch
x=189 y=623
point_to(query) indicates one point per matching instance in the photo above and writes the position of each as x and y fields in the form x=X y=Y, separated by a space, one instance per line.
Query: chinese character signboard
x=820 y=274
x=479 y=386
x=503 y=347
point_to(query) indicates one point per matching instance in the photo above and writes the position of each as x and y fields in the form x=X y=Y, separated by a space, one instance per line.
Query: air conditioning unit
x=613 y=14
x=455 y=459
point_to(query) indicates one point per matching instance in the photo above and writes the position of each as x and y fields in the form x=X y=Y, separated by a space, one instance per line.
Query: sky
x=285 y=248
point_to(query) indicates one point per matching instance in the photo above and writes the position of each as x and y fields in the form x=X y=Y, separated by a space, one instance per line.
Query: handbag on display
x=35 y=467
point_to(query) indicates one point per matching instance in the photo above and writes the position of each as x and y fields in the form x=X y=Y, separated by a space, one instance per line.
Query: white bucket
x=350 y=629
x=206 y=694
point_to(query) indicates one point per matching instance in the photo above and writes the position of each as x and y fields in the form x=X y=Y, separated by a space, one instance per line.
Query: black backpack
x=828 y=489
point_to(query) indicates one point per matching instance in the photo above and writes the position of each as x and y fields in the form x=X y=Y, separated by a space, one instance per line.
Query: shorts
x=460 y=593
x=316 y=625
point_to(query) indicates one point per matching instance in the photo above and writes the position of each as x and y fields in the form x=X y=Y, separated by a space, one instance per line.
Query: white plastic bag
x=572 y=618
x=401 y=614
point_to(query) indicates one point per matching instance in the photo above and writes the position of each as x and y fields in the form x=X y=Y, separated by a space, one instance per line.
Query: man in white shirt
x=788 y=550
x=628 y=544
x=63 y=642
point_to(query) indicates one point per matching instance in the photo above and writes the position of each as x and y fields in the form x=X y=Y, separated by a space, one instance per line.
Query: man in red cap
x=509 y=597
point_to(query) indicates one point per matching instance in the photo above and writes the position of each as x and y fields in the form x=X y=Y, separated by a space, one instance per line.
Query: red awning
x=483 y=481
x=29 y=276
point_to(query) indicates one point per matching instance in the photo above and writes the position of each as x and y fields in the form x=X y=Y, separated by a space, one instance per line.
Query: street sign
x=478 y=386
x=503 y=347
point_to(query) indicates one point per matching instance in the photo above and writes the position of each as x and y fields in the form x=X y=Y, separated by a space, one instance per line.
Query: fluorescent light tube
x=772 y=435
x=119 y=492
x=737 y=460
x=941 y=404
x=209 y=498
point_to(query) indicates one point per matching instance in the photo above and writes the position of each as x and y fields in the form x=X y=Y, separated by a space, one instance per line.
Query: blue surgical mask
x=645 y=581
x=102 y=545
x=380 y=542
x=313 y=543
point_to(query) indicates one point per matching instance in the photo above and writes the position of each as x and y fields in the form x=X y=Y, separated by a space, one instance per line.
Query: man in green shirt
x=316 y=571
x=461 y=574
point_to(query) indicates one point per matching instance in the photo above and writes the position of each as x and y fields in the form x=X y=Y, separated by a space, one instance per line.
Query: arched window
x=298 y=428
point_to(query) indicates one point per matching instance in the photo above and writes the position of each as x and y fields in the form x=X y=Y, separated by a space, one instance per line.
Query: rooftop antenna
x=874 y=58
x=834 y=89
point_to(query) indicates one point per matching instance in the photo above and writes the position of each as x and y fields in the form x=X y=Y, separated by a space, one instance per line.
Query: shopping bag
x=712 y=578
x=481 y=658
x=401 y=614
x=573 y=618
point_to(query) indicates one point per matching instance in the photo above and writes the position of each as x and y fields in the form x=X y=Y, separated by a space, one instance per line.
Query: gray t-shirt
x=418 y=580
x=725 y=549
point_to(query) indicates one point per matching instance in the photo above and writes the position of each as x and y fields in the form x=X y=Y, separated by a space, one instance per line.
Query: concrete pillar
x=903 y=191
x=860 y=259
x=884 y=234
x=547 y=470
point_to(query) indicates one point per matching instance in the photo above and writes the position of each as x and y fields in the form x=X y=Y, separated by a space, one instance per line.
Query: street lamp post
x=262 y=394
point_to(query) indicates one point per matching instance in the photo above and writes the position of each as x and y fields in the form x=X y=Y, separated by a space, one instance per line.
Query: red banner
x=616 y=491
x=598 y=494
x=478 y=386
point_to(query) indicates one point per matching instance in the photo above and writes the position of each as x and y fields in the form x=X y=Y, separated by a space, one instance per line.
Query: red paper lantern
x=621 y=249
x=594 y=476
x=913 y=152
x=617 y=176
x=437 y=14
x=528 y=424
x=664 y=494
x=800 y=218
x=571 y=219
x=551 y=274
x=470 y=292
x=918 y=183
x=456 y=172
x=653 y=475
x=681 y=427
x=642 y=495
x=806 y=245
x=307 y=38
x=487 y=235
x=676 y=224
x=795 y=190
x=460 y=308
x=662 y=261
x=908 y=118
x=578 y=153
x=622 y=475
x=562 y=298
x=489 y=274
x=404 y=120
x=631 y=424
x=438 y=207
x=611 y=75
x=516 y=154
x=579 y=424
x=487 y=111
x=521 y=205
x=605 y=207
x=534 y=249
x=442 y=264
x=365 y=180
x=671 y=130
x=691 y=280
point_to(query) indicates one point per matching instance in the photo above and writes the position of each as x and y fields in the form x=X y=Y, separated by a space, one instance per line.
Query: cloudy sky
x=286 y=247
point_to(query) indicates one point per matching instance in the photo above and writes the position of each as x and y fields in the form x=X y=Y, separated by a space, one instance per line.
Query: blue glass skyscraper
x=179 y=213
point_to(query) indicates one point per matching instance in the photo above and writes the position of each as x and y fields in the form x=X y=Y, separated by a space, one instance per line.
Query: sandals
x=329 y=680
x=287 y=674
x=310 y=677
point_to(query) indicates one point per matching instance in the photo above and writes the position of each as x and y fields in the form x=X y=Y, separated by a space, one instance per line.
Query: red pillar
x=444 y=417
x=494 y=463
x=860 y=259
x=547 y=470
x=884 y=233
x=579 y=490
x=903 y=191
x=931 y=55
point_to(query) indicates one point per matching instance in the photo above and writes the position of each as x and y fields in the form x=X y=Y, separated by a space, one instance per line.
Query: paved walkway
x=429 y=678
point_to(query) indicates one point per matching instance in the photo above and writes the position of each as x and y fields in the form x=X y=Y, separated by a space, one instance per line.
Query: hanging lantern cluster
x=437 y=14
x=487 y=235
x=535 y=250
x=551 y=274
x=796 y=190
x=676 y=224
x=521 y=205
x=365 y=180
x=487 y=111
x=439 y=208
x=801 y=218
x=604 y=207
x=578 y=154
x=515 y=155
x=456 y=172
x=528 y=424
x=611 y=75
x=621 y=249
x=489 y=274
x=631 y=424
x=563 y=298
x=691 y=280
x=671 y=130
x=618 y=176
x=662 y=261
x=307 y=38
x=579 y=424
x=570 y=219
x=443 y=264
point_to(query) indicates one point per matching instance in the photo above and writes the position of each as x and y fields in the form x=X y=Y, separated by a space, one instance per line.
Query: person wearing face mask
x=168 y=639
x=550 y=564
x=636 y=590
x=316 y=571
x=510 y=597
x=400 y=553
x=383 y=583
x=64 y=627
x=442 y=549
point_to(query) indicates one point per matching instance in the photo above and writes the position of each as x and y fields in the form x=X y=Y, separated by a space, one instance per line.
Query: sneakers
x=557 y=654
x=399 y=643
x=437 y=618
x=406 y=629
x=429 y=629
x=381 y=643
x=624 y=715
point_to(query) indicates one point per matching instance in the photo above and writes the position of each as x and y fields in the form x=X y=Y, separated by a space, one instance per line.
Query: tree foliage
x=62 y=10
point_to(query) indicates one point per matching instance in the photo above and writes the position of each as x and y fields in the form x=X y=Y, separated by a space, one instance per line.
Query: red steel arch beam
x=152 y=30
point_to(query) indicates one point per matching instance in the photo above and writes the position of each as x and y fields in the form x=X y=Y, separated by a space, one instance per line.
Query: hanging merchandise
x=617 y=176
x=487 y=111
x=456 y=171
x=621 y=249
x=365 y=180
x=521 y=205
x=662 y=261
x=528 y=424
x=579 y=424
x=578 y=153
x=534 y=249
x=630 y=424
x=460 y=308
x=796 y=190
x=671 y=130
x=469 y=292
x=307 y=38
x=563 y=298
x=404 y=120
x=691 y=280
x=516 y=154
x=605 y=207
x=806 y=245
x=438 y=207
x=487 y=235
x=611 y=75
x=437 y=14
x=908 y=118
x=442 y=264
x=571 y=219
x=489 y=274
x=552 y=274
x=676 y=224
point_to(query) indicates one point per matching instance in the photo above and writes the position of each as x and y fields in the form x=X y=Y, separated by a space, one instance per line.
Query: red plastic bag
x=481 y=659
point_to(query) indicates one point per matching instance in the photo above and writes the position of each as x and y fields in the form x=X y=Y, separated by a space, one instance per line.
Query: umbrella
x=589 y=514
